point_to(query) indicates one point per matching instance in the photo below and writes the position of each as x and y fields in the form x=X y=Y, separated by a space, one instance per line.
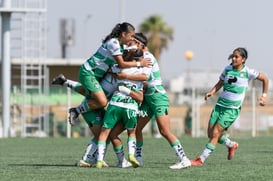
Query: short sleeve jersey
x=125 y=101
x=154 y=82
x=155 y=77
x=104 y=57
x=235 y=86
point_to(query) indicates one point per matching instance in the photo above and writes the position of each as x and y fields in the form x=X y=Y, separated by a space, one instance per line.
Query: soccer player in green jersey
x=234 y=80
x=123 y=107
x=156 y=103
x=94 y=118
x=108 y=54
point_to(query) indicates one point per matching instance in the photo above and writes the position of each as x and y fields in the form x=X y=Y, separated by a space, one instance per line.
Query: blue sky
x=211 y=29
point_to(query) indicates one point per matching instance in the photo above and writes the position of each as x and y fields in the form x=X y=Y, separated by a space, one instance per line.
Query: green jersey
x=156 y=101
x=235 y=86
x=154 y=82
x=155 y=78
x=104 y=57
x=121 y=100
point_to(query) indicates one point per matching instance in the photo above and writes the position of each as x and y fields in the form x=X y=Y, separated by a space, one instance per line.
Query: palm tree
x=158 y=34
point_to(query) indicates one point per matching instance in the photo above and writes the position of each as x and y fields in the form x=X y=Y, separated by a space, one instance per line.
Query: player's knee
x=165 y=133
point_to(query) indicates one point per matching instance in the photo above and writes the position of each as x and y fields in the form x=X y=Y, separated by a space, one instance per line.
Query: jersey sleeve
x=252 y=73
x=147 y=71
x=114 y=47
x=223 y=74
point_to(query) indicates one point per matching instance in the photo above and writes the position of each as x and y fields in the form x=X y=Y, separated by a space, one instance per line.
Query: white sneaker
x=185 y=163
x=85 y=163
x=139 y=159
x=104 y=164
x=101 y=164
x=124 y=164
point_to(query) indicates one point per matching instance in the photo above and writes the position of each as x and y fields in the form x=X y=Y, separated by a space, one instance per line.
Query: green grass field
x=40 y=159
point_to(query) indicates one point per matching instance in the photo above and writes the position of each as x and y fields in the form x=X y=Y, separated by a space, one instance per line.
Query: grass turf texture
x=41 y=159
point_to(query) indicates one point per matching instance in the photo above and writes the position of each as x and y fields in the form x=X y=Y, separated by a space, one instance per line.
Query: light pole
x=6 y=67
x=194 y=98
x=67 y=35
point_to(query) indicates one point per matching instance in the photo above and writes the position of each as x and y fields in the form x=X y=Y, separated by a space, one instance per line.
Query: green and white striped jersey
x=235 y=86
x=121 y=100
x=104 y=57
x=154 y=80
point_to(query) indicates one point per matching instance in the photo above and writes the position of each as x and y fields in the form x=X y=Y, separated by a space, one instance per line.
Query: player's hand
x=209 y=94
x=262 y=101
x=124 y=90
x=146 y=62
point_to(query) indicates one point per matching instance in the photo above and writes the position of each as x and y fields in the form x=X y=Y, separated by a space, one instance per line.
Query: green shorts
x=114 y=114
x=94 y=117
x=224 y=116
x=88 y=80
x=155 y=104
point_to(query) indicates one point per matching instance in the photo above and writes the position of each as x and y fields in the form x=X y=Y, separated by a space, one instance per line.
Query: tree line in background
x=158 y=32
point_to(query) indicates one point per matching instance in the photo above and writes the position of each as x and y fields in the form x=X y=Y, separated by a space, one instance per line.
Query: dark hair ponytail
x=243 y=53
x=118 y=29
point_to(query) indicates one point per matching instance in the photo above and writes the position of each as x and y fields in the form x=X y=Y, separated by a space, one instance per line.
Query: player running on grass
x=234 y=80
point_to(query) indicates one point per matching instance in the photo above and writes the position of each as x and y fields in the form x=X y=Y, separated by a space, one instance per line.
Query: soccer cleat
x=139 y=159
x=184 y=163
x=73 y=115
x=197 y=162
x=132 y=159
x=231 y=150
x=104 y=164
x=124 y=164
x=85 y=163
x=138 y=155
x=99 y=164
x=59 y=80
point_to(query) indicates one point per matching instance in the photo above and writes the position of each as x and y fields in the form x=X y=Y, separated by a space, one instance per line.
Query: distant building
x=199 y=80
x=69 y=67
